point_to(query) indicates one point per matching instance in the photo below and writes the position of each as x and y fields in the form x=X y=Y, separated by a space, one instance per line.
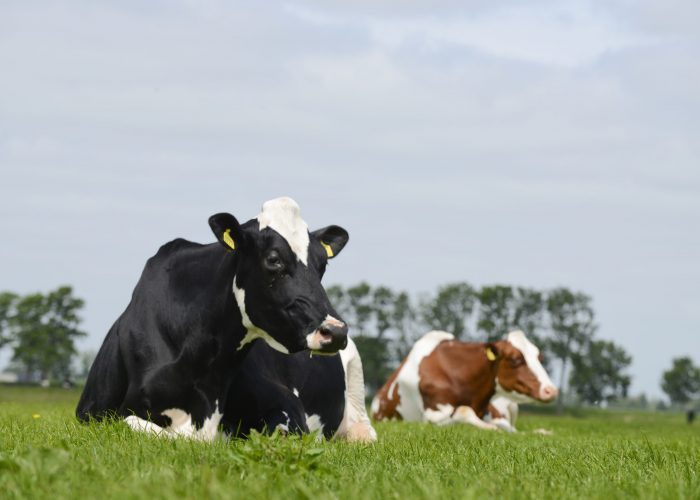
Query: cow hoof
x=361 y=432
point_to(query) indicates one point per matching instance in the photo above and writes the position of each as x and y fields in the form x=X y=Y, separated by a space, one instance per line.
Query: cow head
x=521 y=376
x=277 y=282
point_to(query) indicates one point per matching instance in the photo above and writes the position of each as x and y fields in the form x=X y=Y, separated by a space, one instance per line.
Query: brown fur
x=459 y=374
x=389 y=402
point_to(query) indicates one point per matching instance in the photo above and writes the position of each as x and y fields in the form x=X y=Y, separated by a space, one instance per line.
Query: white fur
x=509 y=411
x=314 y=423
x=408 y=379
x=313 y=339
x=375 y=405
x=253 y=332
x=531 y=353
x=441 y=416
x=284 y=427
x=284 y=216
x=355 y=425
x=180 y=425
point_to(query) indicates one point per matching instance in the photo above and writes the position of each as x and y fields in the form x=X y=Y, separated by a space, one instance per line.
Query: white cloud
x=569 y=34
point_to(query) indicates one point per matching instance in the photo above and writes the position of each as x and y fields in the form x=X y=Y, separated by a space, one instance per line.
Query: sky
x=533 y=142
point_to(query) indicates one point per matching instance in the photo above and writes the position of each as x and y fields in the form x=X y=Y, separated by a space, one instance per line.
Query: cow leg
x=263 y=407
x=141 y=425
x=286 y=421
x=503 y=424
x=355 y=426
x=466 y=415
x=442 y=415
x=499 y=419
x=285 y=414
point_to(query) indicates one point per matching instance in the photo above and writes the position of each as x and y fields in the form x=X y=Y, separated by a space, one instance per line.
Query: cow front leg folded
x=286 y=421
x=467 y=415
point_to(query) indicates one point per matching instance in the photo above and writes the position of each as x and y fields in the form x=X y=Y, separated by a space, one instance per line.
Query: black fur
x=262 y=395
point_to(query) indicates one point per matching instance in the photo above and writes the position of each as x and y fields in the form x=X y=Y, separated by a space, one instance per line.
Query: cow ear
x=226 y=229
x=492 y=351
x=332 y=239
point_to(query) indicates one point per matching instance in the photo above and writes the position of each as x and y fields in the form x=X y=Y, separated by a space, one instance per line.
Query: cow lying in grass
x=167 y=364
x=444 y=381
x=300 y=393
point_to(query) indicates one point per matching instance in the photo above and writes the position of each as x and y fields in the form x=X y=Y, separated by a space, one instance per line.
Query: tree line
x=41 y=330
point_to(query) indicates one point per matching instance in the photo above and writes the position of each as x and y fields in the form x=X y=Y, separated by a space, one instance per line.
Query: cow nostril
x=549 y=392
x=326 y=332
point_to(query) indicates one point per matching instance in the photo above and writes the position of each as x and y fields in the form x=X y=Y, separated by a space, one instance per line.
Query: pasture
x=46 y=453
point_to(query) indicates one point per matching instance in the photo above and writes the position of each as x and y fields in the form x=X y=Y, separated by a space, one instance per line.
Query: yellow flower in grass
x=36 y=415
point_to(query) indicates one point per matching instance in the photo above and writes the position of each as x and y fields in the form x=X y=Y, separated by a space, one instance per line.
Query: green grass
x=596 y=455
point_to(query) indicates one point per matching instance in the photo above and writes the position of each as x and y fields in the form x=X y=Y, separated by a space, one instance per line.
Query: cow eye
x=273 y=262
x=517 y=361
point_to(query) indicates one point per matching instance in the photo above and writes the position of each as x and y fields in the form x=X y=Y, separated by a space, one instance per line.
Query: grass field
x=45 y=453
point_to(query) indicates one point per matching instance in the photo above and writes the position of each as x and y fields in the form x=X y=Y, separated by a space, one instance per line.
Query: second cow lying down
x=444 y=381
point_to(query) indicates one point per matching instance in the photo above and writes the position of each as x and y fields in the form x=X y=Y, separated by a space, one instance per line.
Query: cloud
x=542 y=144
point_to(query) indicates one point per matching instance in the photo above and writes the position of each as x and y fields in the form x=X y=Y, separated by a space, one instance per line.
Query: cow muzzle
x=329 y=338
x=548 y=393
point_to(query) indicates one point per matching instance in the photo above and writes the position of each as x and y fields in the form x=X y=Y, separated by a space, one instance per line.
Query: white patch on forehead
x=253 y=332
x=531 y=353
x=284 y=216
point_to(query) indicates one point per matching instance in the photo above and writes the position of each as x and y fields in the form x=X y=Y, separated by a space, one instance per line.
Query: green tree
x=339 y=300
x=360 y=308
x=44 y=328
x=597 y=373
x=503 y=308
x=496 y=308
x=382 y=305
x=682 y=382
x=528 y=314
x=572 y=326
x=7 y=303
x=403 y=320
x=450 y=309
x=375 y=360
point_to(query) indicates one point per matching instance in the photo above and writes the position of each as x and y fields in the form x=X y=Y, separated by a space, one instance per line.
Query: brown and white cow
x=444 y=381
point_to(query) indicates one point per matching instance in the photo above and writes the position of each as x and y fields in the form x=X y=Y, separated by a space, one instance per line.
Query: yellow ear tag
x=228 y=240
x=490 y=354
x=329 y=250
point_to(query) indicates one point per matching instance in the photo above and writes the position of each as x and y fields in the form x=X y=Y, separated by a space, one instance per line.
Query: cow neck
x=478 y=376
x=234 y=330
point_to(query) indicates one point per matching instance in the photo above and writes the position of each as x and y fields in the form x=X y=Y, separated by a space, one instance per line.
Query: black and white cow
x=300 y=393
x=168 y=361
